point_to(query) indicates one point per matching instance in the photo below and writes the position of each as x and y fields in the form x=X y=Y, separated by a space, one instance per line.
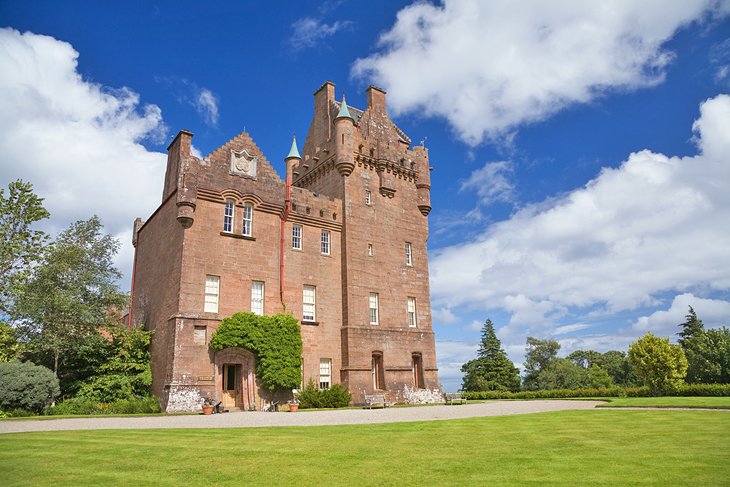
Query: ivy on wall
x=275 y=340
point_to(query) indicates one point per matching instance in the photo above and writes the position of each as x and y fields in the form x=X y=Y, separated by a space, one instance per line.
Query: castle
x=340 y=244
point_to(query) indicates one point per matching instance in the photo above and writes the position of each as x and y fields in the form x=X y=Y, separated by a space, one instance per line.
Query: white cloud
x=492 y=183
x=444 y=316
x=655 y=224
x=309 y=31
x=78 y=142
x=489 y=67
x=712 y=312
x=450 y=356
x=206 y=103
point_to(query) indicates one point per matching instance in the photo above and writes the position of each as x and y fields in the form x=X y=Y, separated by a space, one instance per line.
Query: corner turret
x=344 y=140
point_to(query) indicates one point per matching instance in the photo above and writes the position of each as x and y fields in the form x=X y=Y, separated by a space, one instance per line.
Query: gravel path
x=311 y=418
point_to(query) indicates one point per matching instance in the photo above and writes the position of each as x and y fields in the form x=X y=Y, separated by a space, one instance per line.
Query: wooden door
x=231 y=385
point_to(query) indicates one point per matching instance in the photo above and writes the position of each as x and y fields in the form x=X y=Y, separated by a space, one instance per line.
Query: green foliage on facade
x=26 y=386
x=658 y=364
x=275 y=340
x=491 y=370
x=336 y=396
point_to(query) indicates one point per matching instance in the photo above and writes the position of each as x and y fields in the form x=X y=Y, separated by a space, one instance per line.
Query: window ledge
x=235 y=235
x=310 y=323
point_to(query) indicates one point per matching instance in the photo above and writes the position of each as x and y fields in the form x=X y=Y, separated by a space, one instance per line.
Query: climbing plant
x=275 y=340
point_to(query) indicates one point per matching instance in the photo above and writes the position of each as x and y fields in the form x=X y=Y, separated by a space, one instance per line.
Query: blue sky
x=581 y=181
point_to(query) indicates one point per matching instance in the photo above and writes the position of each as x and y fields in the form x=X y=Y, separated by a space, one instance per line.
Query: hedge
x=82 y=406
x=684 y=390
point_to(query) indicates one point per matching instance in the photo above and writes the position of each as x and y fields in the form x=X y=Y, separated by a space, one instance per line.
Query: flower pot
x=293 y=408
x=207 y=410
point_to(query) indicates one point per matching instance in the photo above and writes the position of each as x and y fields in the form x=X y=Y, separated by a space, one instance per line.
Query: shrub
x=335 y=397
x=644 y=391
x=27 y=386
x=83 y=406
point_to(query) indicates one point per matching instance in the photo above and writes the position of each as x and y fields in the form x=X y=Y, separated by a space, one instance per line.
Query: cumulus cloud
x=492 y=183
x=206 y=103
x=655 y=225
x=712 y=312
x=489 y=67
x=450 y=356
x=78 y=142
x=310 y=31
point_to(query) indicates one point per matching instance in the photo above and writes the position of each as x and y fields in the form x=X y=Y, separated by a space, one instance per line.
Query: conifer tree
x=491 y=370
x=691 y=328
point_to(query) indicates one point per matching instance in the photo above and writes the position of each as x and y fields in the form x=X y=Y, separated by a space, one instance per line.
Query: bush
x=24 y=385
x=82 y=406
x=335 y=397
x=644 y=391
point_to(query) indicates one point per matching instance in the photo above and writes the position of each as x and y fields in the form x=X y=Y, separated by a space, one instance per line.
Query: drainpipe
x=291 y=161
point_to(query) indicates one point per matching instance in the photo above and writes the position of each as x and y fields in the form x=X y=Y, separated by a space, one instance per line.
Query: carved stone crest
x=243 y=163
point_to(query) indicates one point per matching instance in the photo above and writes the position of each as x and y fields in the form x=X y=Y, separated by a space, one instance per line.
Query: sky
x=580 y=150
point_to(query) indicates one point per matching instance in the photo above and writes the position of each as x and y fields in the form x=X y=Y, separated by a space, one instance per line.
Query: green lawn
x=669 y=402
x=597 y=447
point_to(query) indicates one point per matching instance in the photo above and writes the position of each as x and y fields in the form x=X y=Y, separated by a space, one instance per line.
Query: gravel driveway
x=301 y=418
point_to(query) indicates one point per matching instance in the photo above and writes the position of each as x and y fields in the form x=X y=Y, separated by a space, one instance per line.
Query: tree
x=20 y=247
x=27 y=386
x=708 y=357
x=9 y=346
x=613 y=362
x=691 y=328
x=491 y=370
x=561 y=373
x=539 y=354
x=658 y=364
x=71 y=294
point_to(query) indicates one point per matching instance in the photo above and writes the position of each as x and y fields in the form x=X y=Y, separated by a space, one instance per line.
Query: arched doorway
x=235 y=379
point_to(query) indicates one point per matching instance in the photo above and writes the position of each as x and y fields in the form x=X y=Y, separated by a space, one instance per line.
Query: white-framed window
x=411 y=308
x=373 y=304
x=325 y=243
x=228 y=217
x=296 y=237
x=370 y=250
x=309 y=303
x=247 y=219
x=257 y=297
x=409 y=254
x=212 y=289
x=368 y=197
x=325 y=373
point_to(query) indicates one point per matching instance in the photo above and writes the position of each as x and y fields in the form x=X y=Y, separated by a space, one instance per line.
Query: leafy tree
x=126 y=373
x=9 y=346
x=491 y=370
x=598 y=377
x=584 y=358
x=708 y=357
x=613 y=362
x=275 y=340
x=20 y=247
x=561 y=373
x=691 y=328
x=539 y=355
x=658 y=364
x=27 y=386
x=71 y=294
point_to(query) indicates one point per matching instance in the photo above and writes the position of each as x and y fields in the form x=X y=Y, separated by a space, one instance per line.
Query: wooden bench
x=374 y=400
x=454 y=398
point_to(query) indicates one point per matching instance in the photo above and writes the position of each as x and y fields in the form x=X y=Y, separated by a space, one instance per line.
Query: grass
x=669 y=402
x=598 y=447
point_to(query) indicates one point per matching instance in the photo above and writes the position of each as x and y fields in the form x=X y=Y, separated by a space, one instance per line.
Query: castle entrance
x=235 y=380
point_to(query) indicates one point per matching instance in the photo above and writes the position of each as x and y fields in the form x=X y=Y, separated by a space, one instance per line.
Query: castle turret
x=423 y=184
x=344 y=140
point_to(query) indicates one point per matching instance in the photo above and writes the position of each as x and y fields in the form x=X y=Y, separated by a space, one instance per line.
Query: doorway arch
x=235 y=378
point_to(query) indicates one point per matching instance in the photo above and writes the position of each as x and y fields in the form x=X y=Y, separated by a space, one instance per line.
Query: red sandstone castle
x=341 y=245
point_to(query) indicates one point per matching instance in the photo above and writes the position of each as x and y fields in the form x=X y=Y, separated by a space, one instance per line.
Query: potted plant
x=294 y=403
x=207 y=406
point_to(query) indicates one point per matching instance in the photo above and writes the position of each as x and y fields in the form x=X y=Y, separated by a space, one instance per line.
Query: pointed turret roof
x=294 y=152
x=344 y=112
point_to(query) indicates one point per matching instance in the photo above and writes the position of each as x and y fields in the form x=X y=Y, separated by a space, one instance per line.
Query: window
x=409 y=254
x=296 y=237
x=257 y=297
x=247 y=219
x=368 y=198
x=325 y=373
x=212 y=285
x=418 y=371
x=378 y=372
x=373 y=302
x=325 y=245
x=370 y=250
x=309 y=303
x=199 y=333
x=411 y=312
x=228 y=217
